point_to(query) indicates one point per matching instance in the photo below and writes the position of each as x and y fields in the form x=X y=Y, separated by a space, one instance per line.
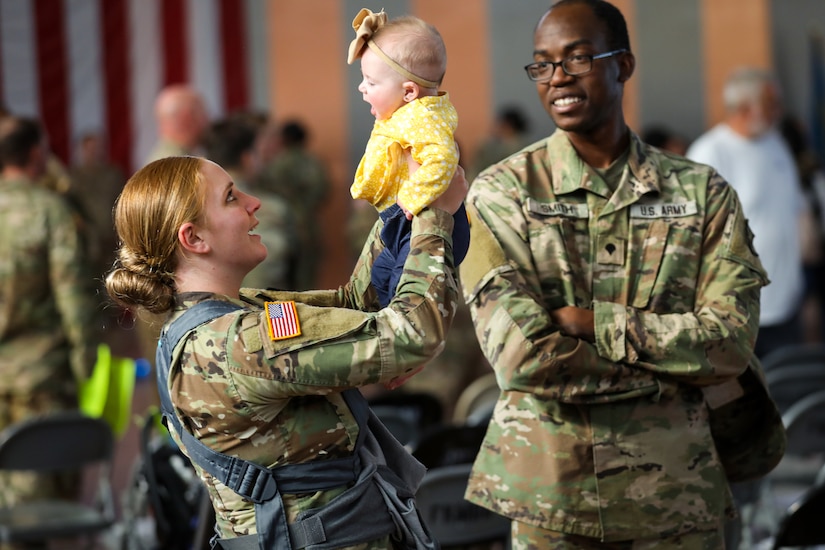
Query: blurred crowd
x=272 y=160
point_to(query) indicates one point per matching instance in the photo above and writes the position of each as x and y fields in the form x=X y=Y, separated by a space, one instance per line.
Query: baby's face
x=381 y=87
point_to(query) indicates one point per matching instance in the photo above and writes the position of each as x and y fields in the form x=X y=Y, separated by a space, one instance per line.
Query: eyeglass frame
x=561 y=63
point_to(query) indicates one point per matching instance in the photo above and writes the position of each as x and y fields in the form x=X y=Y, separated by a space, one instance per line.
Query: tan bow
x=365 y=24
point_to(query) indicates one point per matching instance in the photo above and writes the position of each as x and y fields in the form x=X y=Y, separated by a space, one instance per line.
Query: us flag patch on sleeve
x=282 y=320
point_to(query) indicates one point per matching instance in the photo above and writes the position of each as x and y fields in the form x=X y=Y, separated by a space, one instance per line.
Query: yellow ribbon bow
x=365 y=24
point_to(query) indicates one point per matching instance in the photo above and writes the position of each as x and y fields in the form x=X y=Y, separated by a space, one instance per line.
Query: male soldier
x=48 y=335
x=181 y=118
x=96 y=183
x=609 y=283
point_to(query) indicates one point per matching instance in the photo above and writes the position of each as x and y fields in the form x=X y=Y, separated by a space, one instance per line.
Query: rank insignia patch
x=282 y=320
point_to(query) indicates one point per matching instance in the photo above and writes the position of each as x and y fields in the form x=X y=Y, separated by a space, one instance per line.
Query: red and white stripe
x=97 y=65
x=283 y=320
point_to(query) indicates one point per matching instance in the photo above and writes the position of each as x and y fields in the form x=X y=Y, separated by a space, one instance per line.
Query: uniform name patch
x=570 y=210
x=664 y=210
x=282 y=320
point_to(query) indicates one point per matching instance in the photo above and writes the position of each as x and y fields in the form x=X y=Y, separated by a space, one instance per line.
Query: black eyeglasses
x=575 y=65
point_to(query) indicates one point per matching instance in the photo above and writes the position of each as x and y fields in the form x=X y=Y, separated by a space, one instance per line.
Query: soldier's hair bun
x=136 y=282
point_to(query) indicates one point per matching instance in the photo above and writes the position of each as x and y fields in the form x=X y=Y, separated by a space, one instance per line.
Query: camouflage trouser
x=17 y=487
x=530 y=537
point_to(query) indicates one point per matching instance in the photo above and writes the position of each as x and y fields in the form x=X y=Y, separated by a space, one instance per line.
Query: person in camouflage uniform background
x=302 y=180
x=95 y=185
x=230 y=143
x=187 y=236
x=182 y=120
x=609 y=282
x=48 y=333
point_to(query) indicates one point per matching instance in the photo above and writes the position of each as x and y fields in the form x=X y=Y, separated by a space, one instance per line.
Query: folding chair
x=804 y=460
x=446 y=445
x=452 y=520
x=803 y=523
x=476 y=402
x=60 y=442
x=789 y=384
x=401 y=422
x=794 y=355
x=407 y=414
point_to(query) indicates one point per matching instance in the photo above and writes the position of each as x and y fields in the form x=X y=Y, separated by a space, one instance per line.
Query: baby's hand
x=407 y=213
x=399 y=381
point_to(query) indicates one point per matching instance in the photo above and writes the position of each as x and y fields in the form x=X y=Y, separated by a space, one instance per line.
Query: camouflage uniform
x=95 y=189
x=301 y=179
x=461 y=362
x=48 y=335
x=277 y=230
x=163 y=149
x=279 y=401
x=608 y=440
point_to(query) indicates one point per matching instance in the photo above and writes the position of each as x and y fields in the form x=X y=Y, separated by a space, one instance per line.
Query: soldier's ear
x=190 y=239
x=627 y=64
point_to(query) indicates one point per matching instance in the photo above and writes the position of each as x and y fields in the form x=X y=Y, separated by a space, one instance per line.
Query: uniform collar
x=570 y=173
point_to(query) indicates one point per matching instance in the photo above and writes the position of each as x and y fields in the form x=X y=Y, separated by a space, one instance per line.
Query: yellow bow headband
x=366 y=24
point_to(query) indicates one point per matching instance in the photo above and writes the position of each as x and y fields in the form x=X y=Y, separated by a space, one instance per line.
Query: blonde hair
x=415 y=45
x=154 y=203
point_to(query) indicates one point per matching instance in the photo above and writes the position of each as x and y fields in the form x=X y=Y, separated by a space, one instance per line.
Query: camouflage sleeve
x=73 y=288
x=713 y=341
x=343 y=347
x=357 y=293
x=515 y=331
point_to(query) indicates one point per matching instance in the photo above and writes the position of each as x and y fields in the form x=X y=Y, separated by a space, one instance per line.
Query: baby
x=411 y=155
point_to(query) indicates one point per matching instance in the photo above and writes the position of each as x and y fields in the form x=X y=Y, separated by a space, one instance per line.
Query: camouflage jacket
x=164 y=148
x=279 y=401
x=607 y=440
x=300 y=178
x=48 y=334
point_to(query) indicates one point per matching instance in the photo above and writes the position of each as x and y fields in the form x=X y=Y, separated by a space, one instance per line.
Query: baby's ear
x=411 y=91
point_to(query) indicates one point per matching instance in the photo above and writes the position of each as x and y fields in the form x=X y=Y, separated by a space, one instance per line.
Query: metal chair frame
x=59 y=442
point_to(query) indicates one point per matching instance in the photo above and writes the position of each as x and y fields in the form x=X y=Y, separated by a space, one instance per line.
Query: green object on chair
x=108 y=392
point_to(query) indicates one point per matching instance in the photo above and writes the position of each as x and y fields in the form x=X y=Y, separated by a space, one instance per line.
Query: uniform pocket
x=647 y=268
x=669 y=266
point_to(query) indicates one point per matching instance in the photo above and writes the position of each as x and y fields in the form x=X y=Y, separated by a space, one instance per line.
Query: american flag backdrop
x=97 y=65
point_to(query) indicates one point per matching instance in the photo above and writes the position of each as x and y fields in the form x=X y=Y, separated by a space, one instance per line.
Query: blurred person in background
x=665 y=139
x=96 y=183
x=300 y=177
x=181 y=119
x=48 y=331
x=508 y=136
x=747 y=150
x=812 y=176
x=231 y=143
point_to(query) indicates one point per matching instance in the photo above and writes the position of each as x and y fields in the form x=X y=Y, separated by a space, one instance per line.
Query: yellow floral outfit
x=425 y=127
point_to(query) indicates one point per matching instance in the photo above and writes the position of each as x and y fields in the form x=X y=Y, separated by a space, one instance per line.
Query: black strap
x=250 y=480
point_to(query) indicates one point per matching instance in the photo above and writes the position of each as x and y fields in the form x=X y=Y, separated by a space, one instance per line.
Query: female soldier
x=269 y=377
